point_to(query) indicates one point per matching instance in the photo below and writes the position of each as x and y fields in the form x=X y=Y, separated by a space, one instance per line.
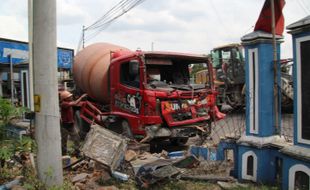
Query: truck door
x=127 y=96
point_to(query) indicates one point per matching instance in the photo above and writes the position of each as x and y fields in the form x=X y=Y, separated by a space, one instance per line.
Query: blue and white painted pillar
x=260 y=83
x=297 y=164
x=253 y=158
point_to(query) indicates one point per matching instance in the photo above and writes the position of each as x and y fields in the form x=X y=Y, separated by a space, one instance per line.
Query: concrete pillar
x=260 y=83
x=300 y=31
x=47 y=126
x=30 y=64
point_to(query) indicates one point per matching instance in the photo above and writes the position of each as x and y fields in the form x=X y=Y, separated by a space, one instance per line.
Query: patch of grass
x=257 y=187
x=8 y=174
x=186 y=185
x=173 y=184
x=32 y=182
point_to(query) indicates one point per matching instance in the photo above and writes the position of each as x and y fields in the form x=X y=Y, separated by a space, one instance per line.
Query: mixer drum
x=91 y=67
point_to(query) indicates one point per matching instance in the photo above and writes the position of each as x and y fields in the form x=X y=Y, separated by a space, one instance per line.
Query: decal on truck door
x=128 y=102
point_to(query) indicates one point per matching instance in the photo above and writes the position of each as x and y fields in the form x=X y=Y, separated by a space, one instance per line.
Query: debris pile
x=108 y=159
x=109 y=156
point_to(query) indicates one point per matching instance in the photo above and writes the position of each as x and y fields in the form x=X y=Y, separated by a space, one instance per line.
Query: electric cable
x=108 y=18
x=104 y=25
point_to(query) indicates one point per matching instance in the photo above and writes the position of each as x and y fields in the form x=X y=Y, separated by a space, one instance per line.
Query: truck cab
x=152 y=92
x=152 y=96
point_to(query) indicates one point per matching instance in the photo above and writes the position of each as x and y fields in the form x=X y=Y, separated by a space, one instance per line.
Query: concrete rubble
x=104 y=146
x=107 y=157
x=110 y=156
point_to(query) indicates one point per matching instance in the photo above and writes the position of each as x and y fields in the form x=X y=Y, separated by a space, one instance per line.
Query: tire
x=121 y=126
x=80 y=125
x=126 y=130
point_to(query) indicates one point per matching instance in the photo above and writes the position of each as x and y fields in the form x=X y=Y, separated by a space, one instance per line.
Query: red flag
x=264 y=21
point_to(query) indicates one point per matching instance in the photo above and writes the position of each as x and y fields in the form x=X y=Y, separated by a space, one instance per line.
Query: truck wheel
x=80 y=125
x=126 y=131
x=121 y=126
x=179 y=141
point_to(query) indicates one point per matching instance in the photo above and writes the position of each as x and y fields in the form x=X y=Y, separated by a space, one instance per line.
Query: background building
x=14 y=62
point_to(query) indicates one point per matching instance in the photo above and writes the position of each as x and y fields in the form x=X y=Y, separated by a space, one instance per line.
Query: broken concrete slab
x=187 y=162
x=130 y=155
x=166 y=171
x=155 y=171
x=138 y=147
x=80 y=177
x=142 y=159
x=105 y=146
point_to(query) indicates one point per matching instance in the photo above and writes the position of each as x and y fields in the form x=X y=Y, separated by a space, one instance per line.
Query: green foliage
x=25 y=144
x=9 y=147
x=6 y=150
x=32 y=182
x=185 y=185
x=8 y=174
x=8 y=111
x=67 y=185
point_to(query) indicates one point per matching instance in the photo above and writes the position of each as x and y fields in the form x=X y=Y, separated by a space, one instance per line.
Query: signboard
x=19 y=52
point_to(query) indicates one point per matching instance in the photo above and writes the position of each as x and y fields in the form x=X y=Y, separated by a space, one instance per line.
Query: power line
x=306 y=6
x=103 y=25
x=128 y=7
x=302 y=6
x=108 y=18
x=106 y=14
x=218 y=15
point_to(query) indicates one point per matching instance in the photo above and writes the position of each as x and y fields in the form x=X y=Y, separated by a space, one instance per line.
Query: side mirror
x=133 y=67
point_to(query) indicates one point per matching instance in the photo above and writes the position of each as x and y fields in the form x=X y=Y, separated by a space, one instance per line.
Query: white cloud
x=70 y=14
x=12 y=28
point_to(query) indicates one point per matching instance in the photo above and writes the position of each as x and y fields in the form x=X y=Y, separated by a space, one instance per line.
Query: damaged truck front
x=146 y=94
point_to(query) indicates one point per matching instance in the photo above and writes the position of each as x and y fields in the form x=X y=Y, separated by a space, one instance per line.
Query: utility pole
x=47 y=125
x=12 y=79
x=275 y=68
x=30 y=64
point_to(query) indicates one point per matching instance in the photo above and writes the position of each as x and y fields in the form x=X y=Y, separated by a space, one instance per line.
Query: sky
x=194 y=26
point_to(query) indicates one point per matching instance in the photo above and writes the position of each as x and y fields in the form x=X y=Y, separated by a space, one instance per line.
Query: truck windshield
x=225 y=55
x=177 y=74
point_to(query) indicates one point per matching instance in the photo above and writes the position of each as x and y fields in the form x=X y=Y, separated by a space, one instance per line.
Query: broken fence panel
x=105 y=146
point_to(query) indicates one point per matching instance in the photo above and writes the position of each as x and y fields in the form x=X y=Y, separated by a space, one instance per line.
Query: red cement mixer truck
x=144 y=94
